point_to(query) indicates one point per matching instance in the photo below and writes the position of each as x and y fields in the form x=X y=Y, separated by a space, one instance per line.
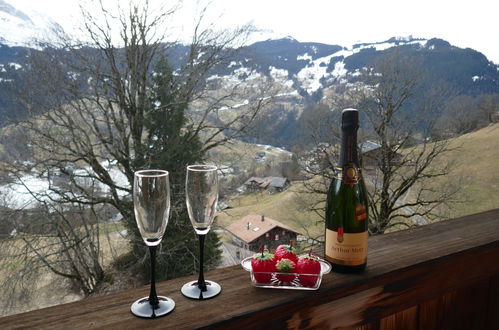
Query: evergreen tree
x=171 y=144
x=113 y=116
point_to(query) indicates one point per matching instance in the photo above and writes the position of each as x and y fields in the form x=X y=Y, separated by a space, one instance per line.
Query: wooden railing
x=440 y=276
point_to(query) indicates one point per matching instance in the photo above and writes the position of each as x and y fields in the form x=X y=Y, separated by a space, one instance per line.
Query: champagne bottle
x=346 y=206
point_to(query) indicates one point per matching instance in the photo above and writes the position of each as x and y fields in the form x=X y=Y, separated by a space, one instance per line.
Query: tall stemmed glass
x=201 y=190
x=151 y=199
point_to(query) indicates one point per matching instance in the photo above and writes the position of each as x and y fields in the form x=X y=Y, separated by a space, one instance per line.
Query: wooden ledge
x=407 y=272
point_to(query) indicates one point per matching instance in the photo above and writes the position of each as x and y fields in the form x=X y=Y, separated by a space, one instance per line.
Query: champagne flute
x=201 y=190
x=151 y=199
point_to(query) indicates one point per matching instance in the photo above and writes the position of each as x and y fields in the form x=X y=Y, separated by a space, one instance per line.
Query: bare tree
x=399 y=182
x=463 y=114
x=488 y=105
x=91 y=108
x=52 y=244
x=408 y=159
x=321 y=124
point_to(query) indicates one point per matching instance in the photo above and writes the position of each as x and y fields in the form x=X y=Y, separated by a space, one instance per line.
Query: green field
x=290 y=207
x=475 y=169
x=475 y=161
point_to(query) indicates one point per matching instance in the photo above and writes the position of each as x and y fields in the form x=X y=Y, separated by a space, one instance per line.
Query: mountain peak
x=290 y=38
x=287 y=39
x=21 y=28
x=7 y=9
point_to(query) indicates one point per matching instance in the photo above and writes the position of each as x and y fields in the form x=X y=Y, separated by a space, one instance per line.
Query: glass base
x=142 y=307
x=191 y=290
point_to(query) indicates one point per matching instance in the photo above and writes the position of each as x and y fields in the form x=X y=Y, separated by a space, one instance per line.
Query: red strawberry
x=308 y=264
x=286 y=252
x=262 y=265
x=285 y=266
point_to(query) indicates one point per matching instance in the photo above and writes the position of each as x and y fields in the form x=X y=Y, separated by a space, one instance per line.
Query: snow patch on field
x=32 y=189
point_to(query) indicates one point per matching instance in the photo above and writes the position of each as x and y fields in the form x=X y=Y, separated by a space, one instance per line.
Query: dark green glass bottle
x=346 y=207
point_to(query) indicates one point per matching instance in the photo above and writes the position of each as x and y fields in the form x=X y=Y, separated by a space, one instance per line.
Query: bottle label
x=350 y=174
x=360 y=212
x=348 y=249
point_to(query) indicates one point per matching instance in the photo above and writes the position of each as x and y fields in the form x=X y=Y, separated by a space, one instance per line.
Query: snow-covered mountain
x=304 y=72
x=22 y=28
x=309 y=69
x=317 y=65
x=305 y=69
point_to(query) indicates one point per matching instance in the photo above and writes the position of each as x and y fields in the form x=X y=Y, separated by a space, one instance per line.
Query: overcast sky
x=472 y=23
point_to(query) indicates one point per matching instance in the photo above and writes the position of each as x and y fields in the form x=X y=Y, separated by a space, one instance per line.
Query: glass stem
x=153 y=297
x=201 y=281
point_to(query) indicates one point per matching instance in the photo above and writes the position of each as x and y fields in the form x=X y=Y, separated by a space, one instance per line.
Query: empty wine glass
x=151 y=199
x=201 y=190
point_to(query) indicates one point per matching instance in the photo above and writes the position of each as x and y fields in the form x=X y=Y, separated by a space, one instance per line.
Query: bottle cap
x=350 y=119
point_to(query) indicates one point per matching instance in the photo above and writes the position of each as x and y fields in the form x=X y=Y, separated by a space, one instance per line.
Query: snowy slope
x=303 y=65
x=311 y=75
x=22 y=28
x=300 y=69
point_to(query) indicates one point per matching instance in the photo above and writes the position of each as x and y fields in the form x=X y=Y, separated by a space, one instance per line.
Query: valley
x=77 y=121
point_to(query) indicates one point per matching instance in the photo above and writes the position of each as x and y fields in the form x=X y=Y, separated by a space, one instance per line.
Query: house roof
x=369 y=146
x=262 y=182
x=278 y=182
x=251 y=227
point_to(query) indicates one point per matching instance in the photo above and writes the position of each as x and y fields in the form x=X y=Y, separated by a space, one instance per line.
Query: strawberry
x=286 y=252
x=308 y=264
x=262 y=265
x=285 y=266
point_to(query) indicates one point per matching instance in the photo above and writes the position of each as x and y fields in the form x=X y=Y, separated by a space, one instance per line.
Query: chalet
x=253 y=231
x=278 y=184
x=6 y=229
x=256 y=184
x=370 y=153
x=260 y=156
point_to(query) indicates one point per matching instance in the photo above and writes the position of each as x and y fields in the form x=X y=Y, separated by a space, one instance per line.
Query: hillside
x=47 y=289
x=290 y=207
x=475 y=168
x=475 y=163
x=303 y=73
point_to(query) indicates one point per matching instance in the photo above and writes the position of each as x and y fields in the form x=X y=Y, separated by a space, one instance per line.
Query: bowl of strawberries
x=286 y=269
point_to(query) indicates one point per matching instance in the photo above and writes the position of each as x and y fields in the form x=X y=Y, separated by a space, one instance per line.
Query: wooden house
x=256 y=183
x=371 y=155
x=370 y=152
x=254 y=230
x=278 y=184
